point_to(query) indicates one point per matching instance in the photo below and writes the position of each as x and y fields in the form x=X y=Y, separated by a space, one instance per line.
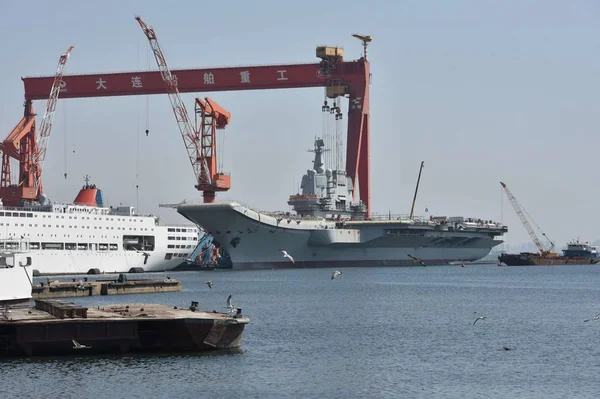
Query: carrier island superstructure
x=328 y=229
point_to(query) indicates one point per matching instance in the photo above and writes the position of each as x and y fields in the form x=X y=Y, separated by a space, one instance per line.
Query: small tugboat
x=576 y=249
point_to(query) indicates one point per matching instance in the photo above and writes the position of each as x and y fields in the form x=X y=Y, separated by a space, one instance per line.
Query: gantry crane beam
x=188 y=80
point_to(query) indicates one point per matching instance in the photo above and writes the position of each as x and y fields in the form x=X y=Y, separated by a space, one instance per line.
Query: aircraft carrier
x=328 y=229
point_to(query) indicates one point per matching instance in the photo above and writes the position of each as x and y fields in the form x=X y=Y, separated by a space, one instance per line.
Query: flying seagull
x=229 y=304
x=209 y=284
x=417 y=259
x=286 y=255
x=462 y=265
x=77 y=345
x=597 y=317
x=335 y=274
x=479 y=318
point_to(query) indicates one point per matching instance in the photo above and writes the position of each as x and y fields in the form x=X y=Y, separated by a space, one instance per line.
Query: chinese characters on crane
x=245 y=77
x=100 y=84
x=136 y=82
x=281 y=73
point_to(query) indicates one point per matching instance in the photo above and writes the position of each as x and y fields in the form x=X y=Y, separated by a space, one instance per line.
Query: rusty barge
x=535 y=259
x=53 y=328
x=120 y=286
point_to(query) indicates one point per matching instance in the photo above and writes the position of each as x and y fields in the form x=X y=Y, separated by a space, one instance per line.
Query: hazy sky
x=481 y=91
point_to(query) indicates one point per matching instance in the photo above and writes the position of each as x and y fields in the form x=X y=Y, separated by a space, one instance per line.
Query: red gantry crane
x=23 y=144
x=340 y=78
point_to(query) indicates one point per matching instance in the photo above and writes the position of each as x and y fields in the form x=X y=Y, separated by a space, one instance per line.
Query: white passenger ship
x=87 y=237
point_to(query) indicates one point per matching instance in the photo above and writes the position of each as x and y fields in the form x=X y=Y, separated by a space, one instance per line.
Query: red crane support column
x=357 y=149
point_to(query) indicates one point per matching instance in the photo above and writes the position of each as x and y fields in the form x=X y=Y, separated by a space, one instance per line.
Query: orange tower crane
x=24 y=145
x=200 y=142
x=191 y=138
x=211 y=116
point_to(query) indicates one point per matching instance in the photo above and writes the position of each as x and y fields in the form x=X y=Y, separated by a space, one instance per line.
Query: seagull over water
x=229 y=304
x=286 y=255
x=597 y=317
x=335 y=274
x=417 y=259
x=479 y=318
x=77 y=345
x=209 y=284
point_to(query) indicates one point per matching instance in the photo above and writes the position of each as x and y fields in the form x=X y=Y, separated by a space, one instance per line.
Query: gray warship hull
x=254 y=240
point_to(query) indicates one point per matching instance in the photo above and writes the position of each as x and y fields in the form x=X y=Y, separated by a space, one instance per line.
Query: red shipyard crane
x=211 y=117
x=24 y=144
x=340 y=78
x=200 y=142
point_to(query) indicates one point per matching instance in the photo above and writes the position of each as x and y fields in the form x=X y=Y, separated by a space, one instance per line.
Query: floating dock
x=61 y=328
x=53 y=290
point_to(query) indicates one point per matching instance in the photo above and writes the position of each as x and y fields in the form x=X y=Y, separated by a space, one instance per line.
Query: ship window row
x=27 y=236
x=17 y=214
x=181 y=238
x=179 y=246
x=81 y=227
x=31 y=215
x=69 y=246
x=181 y=230
x=403 y=232
x=169 y=256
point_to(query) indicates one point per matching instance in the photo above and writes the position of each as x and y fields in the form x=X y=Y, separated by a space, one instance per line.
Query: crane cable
x=65 y=136
x=536 y=225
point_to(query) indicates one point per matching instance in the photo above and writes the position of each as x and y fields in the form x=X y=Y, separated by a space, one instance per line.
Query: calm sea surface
x=371 y=333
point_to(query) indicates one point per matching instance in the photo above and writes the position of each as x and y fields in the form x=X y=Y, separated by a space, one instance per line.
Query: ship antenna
x=365 y=39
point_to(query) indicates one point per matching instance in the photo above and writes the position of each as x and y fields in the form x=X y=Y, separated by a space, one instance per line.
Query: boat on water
x=576 y=253
x=15 y=279
x=54 y=328
x=89 y=237
x=577 y=249
x=327 y=228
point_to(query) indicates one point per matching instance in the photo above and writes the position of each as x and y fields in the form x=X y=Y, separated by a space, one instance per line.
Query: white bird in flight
x=229 y=304
x=335 y=274
x=597 y=317
x=286 y=255
x=77 y=345
x=479 y=318
x=209 y=284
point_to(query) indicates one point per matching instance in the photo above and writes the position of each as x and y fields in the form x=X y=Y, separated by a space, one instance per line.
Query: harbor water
x=370 y=333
